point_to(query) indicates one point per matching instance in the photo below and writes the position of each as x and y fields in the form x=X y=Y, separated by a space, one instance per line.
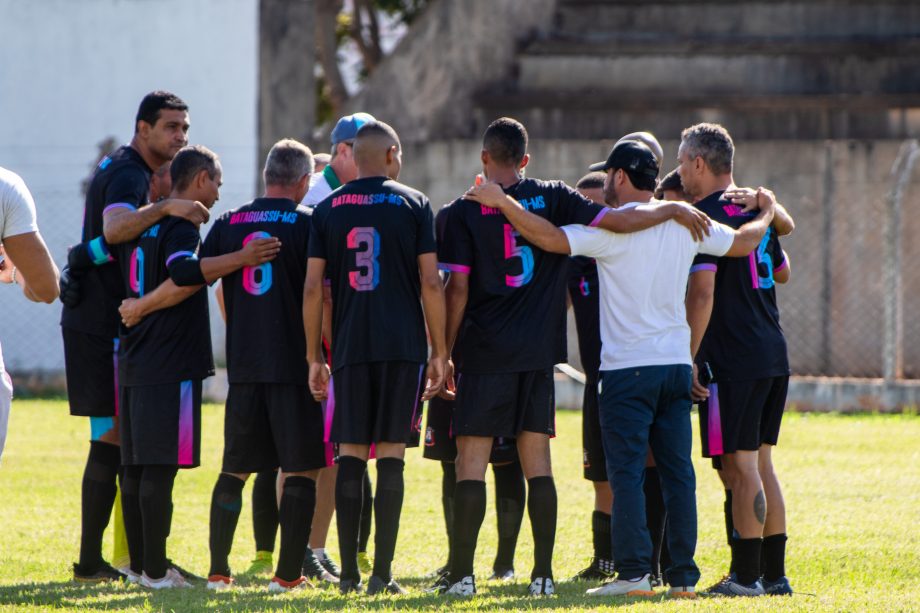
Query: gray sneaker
x=731 y=587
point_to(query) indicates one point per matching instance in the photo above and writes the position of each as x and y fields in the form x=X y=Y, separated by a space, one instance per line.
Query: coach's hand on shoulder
x=260 y=250
x=436 y=375
x=691 y=218
x=488 y=194
x=131 y=311
x=319 y=380
x=192 y=210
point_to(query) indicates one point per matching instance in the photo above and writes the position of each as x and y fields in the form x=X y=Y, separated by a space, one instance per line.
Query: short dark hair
x=154 y=102
x=670 y=182
x=506 y=141
x=711 y=142
x=189 y=162
x=641 y=182
x=592 y=180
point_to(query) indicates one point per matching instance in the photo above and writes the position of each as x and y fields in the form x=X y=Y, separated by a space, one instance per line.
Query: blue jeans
x=650 y=405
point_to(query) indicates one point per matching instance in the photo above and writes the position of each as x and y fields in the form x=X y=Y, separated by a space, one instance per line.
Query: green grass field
x=852 y=488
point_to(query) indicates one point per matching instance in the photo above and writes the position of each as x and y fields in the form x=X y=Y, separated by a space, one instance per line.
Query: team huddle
x=349 y=304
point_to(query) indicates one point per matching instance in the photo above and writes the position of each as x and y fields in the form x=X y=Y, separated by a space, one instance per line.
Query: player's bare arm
x=120 y=225
x=456 y=294
x=748 y=236
x=313 y=326
x=644 y=216
x=783 y=274
x=28 y=263
x=534 y=228
x=254 y=253
x=435 y=309
x=750 y=198
x=166 y=294
x=700 y=294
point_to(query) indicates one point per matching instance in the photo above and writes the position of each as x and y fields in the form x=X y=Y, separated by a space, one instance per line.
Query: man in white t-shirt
x=341 y=167
x=24 y=260
x=645 y=357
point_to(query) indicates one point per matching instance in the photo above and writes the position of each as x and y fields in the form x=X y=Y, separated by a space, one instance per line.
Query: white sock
x=318 y=551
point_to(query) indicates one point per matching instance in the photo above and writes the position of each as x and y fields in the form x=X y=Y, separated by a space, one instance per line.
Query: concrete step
x=805 y=18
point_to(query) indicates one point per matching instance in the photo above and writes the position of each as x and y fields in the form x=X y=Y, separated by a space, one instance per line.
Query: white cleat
x=172 y=579
x=464 y=587
x=542 y=586
x=641 y=586
x=219 y=583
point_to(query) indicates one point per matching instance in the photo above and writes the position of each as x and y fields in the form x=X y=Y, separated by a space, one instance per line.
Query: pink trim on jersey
x=186 y=424
x=700 y=267
x=180 y=254
x=714 y=422
x=118 y=205
x=454 y=268
x=755 y=276
x=597 y=220
x=782 y=266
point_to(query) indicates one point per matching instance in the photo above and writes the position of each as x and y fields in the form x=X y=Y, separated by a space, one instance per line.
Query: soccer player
x=645 y=359
x=374 y=239
x=116 y=210
x=731 y=307
x=506 y=325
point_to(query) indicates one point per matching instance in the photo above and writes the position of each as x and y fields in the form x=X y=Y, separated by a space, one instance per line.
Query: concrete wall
x=73 y=74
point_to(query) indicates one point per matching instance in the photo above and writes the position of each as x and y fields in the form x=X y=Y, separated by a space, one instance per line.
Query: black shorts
x=91 y=365
x=505 y=404
x=593 y=460
x=377 y=402
x=742 y=415
x=161 y=424
x=441 y=445
x=268 y=425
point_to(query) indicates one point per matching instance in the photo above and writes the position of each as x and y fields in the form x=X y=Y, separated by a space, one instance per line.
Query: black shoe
x=330 y=565
x=376 y=585
x=188 y=576
x=101 y=574
x=599 y=570
x=312 y=569
x=350 y=585
x=441 y=584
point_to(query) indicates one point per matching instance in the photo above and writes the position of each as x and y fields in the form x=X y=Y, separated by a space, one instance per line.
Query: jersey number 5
x=367 y=240
x=513 y=250
x=257 y=279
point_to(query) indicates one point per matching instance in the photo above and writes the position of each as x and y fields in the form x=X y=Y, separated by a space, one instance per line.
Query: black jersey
x=744 y=339
x=584 y=292
x=172 y=344
x=370 y=232
x=265 y=335
x=515 y=313
x=121 y=180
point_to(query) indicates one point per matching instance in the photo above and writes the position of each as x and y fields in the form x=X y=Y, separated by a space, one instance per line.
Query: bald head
x=377 y=151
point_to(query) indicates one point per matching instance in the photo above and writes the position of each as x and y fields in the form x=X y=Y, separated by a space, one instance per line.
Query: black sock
x=97 y=498
x=729 y=527
x=155 y=500
x=448 y=486
x=773 y=556
x=349 y=491
x=600 y=529
x=298 y=501
x=387 y=508
x=656 y=519
x=265 y=510
x=226 y=503
x=746 y=559
x=541 y=508
x=510 y=497
x=367 y=514
x=131 y=513
x=469 y=511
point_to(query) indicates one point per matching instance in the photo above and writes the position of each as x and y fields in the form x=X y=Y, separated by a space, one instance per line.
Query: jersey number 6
x=368 y=241
x=251 y=284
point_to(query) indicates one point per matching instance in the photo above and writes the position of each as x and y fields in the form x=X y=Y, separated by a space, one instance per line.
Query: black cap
x=632 y=156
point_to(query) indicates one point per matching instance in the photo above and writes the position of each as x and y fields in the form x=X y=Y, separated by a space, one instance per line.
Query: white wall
x=73 y=72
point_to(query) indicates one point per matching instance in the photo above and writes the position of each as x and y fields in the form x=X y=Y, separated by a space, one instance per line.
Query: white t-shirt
x=643 y=282
x=17 y=209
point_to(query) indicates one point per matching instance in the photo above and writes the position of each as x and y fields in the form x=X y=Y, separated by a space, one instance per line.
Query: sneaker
x=350 y=585
x=262 y=564
x=172 y=579
x=465 y=587
x=331 y=567
x=641 y=586
x=598 y=570
x=502 y=574
x=365 y=565
x=780 y=587
x=130 y=576
x=312 y=569
x=376 y=585
x=219 y=583
x=731 y=587
x=656 y=581
x=682 y=591
x=716 y=584
x=101 y=574
x=187 y=575
x=542 y=586
x=440 y=585
x=279 y=586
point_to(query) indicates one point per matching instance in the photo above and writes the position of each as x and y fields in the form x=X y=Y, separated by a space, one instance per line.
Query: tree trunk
x=327 y=12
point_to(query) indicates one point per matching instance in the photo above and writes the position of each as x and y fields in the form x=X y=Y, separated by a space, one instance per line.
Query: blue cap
x=347 y=127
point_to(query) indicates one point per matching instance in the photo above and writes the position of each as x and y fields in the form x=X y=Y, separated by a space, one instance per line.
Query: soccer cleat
x=187 y=575
x=219 y=583
x=376 y=585
x=640 y=586
x=682 y=591
x=780 y=587
x=350 y=585
x=731 y=587
x=364 y=562
x=262 y=564
x=465 y=587
x=130 y=576
x=542 y=586
x=330 y=565
x=101 y=574
x=279 y=586
x=440 y=585
x=598 y=570
x=312 y=569
x=502 y=574
x=171 y=580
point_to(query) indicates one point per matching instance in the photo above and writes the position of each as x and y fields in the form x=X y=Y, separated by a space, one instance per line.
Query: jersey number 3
x=367 y=241
x=513 y=250
x=257 y=279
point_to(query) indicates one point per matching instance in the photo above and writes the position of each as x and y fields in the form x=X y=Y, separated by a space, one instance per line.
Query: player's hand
x=192 y=210
x=488 y=194
x=260 y=250
x=449 y=391
x=69 y=285
x=766 y=200
x=319 y=380
x=691 y=218
x=436 y=374
x=698 y=391
x=746 y=197
x=131 y=311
